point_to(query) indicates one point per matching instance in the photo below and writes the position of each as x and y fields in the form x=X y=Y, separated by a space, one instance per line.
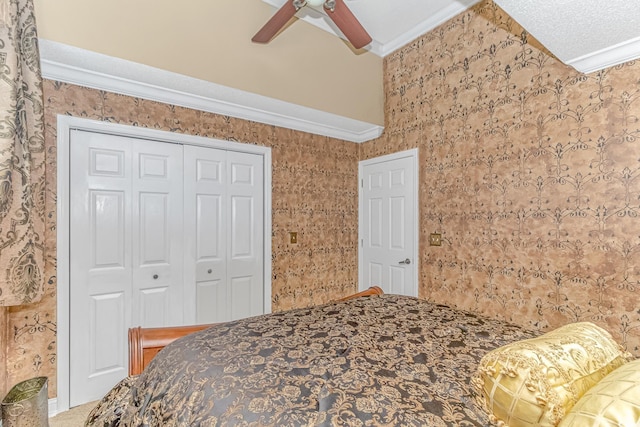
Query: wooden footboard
x=145 y=343
x=374 y=290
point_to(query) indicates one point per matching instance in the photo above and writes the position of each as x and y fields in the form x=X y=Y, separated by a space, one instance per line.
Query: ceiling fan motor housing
x=340 y=15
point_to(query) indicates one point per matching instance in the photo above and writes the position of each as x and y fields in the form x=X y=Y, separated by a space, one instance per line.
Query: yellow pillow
x=536 y=381
x=613 y=402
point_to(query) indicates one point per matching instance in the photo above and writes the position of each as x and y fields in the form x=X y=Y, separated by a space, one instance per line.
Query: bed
x=378 y=359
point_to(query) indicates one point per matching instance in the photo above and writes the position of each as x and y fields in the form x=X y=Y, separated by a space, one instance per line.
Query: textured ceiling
x=587 y=34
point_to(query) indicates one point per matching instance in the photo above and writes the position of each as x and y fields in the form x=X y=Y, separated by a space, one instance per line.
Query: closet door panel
x=108 y=315
x=155 y=306
x=245 y=251
x=206 y=233
x=157 y=230
x=107 y=218
x=100 y=267
x=211 y=300
x=242 y=228
x=210 y=233
x=244 y=301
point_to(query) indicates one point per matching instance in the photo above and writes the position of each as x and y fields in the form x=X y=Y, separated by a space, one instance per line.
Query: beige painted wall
x=211 y=40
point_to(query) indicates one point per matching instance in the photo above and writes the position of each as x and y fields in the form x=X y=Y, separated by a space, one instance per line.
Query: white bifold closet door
x=225 y=238
x=126 y=252
x=161 y=234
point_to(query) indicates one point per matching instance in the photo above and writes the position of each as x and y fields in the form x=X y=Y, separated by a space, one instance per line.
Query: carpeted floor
x=74 y=417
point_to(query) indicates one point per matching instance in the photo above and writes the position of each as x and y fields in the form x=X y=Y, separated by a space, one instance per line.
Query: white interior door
x=125 y=252
x=388 y=223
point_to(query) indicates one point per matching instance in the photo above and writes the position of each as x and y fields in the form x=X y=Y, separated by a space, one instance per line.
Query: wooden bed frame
x=145 y=343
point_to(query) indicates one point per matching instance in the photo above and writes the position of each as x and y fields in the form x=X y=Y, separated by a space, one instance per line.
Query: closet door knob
x=155 y=277
x=209 y=271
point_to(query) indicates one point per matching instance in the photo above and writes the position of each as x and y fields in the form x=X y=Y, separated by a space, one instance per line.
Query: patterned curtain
x=22 y=156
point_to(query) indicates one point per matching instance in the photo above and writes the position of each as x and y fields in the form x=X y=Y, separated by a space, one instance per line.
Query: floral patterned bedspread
x=381 y=360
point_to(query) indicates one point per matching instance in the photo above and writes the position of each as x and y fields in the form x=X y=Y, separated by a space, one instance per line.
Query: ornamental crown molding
x=81 y=67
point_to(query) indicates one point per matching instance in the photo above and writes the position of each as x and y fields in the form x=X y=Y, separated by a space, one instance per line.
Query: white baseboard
x=53 y=407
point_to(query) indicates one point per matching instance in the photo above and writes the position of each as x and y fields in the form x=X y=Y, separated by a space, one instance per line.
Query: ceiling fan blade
x=276 y=23
x=349 y=25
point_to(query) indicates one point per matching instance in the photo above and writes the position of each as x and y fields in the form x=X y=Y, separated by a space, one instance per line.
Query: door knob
x=209 y=271
x=155 y=277
x=406 y=261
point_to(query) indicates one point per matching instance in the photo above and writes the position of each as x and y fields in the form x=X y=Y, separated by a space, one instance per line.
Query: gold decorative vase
x=26 y=405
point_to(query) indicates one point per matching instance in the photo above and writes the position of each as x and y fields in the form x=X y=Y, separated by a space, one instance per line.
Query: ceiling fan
x=339 y=13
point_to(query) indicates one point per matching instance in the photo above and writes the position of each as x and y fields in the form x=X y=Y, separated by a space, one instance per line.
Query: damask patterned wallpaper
x=529 y=169
x=314 y=193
